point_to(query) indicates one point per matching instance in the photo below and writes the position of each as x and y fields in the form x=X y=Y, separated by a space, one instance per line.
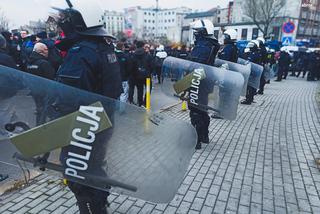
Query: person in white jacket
x=158 y=61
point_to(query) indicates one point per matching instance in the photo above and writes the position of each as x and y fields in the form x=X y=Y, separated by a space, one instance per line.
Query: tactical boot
x=205 y=140
x=198 y=146
x=246 y=102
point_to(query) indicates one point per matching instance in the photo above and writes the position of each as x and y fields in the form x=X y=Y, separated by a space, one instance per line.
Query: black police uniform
x=229 y=52
x=91 y=65
x=263 y=61
x=283 y=65
x=204 y=52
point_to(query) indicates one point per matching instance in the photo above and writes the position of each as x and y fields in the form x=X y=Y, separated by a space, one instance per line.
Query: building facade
x=152 y=23
x=114 y=22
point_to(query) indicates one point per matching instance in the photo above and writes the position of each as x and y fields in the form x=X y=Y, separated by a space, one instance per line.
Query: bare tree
x=4 y=21
x=263 y=12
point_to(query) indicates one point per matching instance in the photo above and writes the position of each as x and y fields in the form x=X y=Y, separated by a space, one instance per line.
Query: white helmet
x=85 y=17
x=261 y=39
x=160 y=48
x=252 y=44
x=231 y=33
x=203 y=27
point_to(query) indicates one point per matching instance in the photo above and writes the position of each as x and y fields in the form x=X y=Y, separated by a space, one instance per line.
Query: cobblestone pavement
x=263 y=162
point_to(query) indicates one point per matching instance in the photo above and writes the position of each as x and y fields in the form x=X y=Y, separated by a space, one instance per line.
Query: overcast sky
x=20 y=12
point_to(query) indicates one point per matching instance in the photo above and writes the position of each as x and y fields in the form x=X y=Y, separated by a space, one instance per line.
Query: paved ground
x=263 y=162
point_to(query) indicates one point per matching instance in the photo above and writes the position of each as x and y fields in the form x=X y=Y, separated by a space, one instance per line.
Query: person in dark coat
x=124 y=63
x=5 y=58
x=38 y=62
x=141 y=69
x=283 y=62
x=54 y=57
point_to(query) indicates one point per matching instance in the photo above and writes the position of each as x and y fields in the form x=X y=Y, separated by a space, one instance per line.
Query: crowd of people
x=86 y=57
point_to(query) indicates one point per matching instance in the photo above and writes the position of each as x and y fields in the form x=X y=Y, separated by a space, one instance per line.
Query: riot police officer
x=230 y=51
x=251 y=54
x=91 y=65
x=263 y=61
x=205 y=51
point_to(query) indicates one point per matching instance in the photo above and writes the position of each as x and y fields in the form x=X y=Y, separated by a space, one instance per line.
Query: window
x=145 y=13
x=172 y=20
x=169 y=13
x=255 y=33
x=169 y=20
x=149 y=20
x=149 y=13
x=216 y=33
x=172 y=13
x=244 y=33
x=145 y=21
x=218 y=19
x=153 y=21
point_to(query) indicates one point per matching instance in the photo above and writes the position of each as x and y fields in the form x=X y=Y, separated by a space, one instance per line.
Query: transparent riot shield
x=245 y=70
x=255 y=75
x=268 y=72
x=206 y=88
x=92 y=139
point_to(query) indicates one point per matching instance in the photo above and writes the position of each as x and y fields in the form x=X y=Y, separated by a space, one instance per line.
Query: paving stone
x=250 y=166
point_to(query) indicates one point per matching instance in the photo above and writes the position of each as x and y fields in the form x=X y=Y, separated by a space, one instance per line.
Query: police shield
x=268 y=73
x=255 y=75
x=205 y=87
x=94 y=140
x=245 y=70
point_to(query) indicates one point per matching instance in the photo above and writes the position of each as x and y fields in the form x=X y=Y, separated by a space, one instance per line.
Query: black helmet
x=81 y=16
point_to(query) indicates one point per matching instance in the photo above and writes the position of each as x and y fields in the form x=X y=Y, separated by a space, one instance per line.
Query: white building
x=305 y=14
x=150 y=23
x=114 y=22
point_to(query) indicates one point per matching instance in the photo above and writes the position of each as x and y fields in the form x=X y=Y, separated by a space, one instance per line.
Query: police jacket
x=39 y=65
x=92 y=65
x=229 y=53
x=205 y=50
x=263 y=54
x=124 y=62
x=6 y=59
x=253 y=56
x=284 y=60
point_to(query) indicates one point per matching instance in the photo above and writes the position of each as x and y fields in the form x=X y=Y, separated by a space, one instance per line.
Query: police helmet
x=82 y=16
x=261 y=39
x=203 y=27
x=230 y=34
x=160 y=48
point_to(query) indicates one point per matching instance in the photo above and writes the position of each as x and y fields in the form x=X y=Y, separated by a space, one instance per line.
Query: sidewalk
x=263 y=162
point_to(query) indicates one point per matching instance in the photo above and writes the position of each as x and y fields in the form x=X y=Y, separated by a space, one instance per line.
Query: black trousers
x=262 y=83
x=89 y=200
x=250 y=94
x=200 y=121
x=138 y=83
x=158 y=72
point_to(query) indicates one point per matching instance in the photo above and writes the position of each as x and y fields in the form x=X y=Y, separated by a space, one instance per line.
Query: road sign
x=286 y=40
x=288 y=27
